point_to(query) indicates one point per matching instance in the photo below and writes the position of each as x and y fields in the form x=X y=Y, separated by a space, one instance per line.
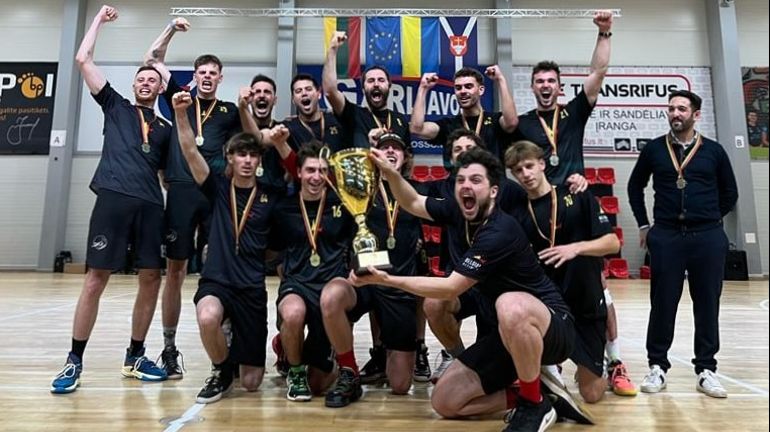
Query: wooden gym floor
x=35 y=330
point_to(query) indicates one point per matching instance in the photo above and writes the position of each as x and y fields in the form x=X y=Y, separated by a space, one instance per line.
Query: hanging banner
x=26 y=107
x=632 y=105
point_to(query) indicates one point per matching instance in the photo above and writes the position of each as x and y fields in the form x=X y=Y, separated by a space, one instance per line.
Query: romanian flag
x=349 y=54
x=405 y=46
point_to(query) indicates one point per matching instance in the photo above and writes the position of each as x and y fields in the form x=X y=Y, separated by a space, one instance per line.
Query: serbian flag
x=459 y=45
x=420 y=41
x=349 y=54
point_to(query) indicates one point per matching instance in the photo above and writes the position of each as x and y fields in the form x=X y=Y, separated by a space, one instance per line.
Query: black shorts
x=490 y=359
x=247 y=310
x=187 y=210
x=591 y=337
x=395 y=311
x=118 y=220
x=474 y=303
x=316 y=351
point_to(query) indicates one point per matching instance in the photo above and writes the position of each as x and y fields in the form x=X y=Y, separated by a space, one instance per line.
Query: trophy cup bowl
x=357 y=180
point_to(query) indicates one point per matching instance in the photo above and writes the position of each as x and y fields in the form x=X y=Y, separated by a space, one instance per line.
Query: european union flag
x=383 y=43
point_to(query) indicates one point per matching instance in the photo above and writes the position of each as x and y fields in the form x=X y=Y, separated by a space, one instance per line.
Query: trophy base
x=378 y=260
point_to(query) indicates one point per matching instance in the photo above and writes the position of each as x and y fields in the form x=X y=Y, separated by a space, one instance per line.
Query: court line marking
x=188 y=415
x=747 y=386
x=55 y=308
x=763 y=304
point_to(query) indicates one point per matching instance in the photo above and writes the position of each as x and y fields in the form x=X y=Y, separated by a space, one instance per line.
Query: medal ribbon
x=680 y=168
x=309 y=129
x=390 y=215
x=198 y=120
x=239 y=225
x=551 y=132
x=312 y=230
x=144 y=126
x=478 y=123
x=554 y=212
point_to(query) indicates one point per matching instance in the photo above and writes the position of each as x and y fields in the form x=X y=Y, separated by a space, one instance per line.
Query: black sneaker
x=218 y=385
x=169 y=363
x=422 y=371
x=530 y=416
x=346 y=390
x=566 y=406
x=374 y=369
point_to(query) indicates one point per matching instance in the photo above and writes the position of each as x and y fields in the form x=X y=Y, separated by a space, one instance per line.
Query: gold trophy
x=356 y=184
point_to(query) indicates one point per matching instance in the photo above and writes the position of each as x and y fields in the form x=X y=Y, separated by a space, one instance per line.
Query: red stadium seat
x=426 y=230
x=644 y=272
x=421 y=173
x=605 y=175
x=618 y=268
x=434 y=263
x=590 y=175
x=610 y=204
x=619 y=233
x=438 y=172
x=435 y=234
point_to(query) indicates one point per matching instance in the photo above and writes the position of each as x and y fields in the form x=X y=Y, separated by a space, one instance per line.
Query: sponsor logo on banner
x=632 y=105
x=26 y=107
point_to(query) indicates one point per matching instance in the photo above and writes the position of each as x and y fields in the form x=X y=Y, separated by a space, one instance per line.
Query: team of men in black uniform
x=524 y=257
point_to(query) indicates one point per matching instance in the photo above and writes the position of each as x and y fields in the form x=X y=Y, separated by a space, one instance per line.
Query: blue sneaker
x=142 y=368
x=68 y=380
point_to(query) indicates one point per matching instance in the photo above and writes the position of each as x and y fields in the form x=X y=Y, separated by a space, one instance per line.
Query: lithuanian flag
x=349 y=54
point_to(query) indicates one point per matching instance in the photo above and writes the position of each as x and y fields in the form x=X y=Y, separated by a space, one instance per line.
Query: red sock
x=348 y=360
x=510 y=398
x=530 y=390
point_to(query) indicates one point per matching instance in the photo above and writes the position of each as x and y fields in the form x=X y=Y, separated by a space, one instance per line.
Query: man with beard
x=558 y=129
x=232 y=284
x=534 y=325
x=188 y=211
x=357 y=121
x=694 y=189
x=395 y=310
x=311 y=123
x=317 y=233
x=128 y=209
x=493 y=128
x=570 y=234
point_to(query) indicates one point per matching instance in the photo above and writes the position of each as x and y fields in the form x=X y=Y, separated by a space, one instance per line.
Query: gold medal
x=315 y=260
x=681 y=183
x=201 y=118
x=199 y=140
x=391 y=242
x=312 y=229
x=146 y=148
x=554 y=160
x=259 y=171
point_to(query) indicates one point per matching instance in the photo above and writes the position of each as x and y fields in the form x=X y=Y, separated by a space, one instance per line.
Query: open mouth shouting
x=377 y=98
x=547 y=97
x=262 y=107
x=468 y=204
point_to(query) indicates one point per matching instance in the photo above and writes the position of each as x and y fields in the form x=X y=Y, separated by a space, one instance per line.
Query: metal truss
x=324 y=12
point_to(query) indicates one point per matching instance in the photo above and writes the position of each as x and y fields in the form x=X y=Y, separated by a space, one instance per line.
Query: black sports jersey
x=222 y=123
x=357 y=121
x=569 y=137
x=511 y=196
x=499 y=257
x=494 y=136
x=334 y=240
x=125 y=166
x=578 y=218
x=408 y=231
x=246 y=269
x=302 y=133
x=272 y=176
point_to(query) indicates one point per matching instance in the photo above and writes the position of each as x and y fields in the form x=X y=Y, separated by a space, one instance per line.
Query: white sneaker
x=446 y=361
x=554 y=374
x=710 y=385
x=655 y=381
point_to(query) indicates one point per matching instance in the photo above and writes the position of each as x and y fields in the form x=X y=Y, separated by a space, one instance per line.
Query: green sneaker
x=299 y=389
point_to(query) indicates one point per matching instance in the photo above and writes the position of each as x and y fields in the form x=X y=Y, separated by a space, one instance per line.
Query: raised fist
x=494 y=73
x=107 y=14
x=180 y=24
x=603 y=20
x=428 y=80
x=181 y=101
x=338 y=39
x=245 y=96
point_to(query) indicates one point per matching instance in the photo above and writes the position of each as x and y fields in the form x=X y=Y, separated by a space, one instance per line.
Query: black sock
x=78 y=348
x=420 y=343
x=136 y=348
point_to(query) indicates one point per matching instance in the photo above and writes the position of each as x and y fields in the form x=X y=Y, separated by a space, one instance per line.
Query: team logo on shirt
x=568 y=201
x=99 y=242
x=487 y=121
x=223 y=109
x=171 y=236
x=263 y=198
x=474 y=263
x=604 y=219
x=333 y=130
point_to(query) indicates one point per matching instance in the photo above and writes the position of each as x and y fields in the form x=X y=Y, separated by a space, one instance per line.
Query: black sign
x=26 y=107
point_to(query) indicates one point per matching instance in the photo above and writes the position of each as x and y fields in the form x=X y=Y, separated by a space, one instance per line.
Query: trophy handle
x=325 y=154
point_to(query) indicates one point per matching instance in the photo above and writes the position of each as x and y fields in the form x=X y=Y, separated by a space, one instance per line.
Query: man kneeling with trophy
x=342 y=304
